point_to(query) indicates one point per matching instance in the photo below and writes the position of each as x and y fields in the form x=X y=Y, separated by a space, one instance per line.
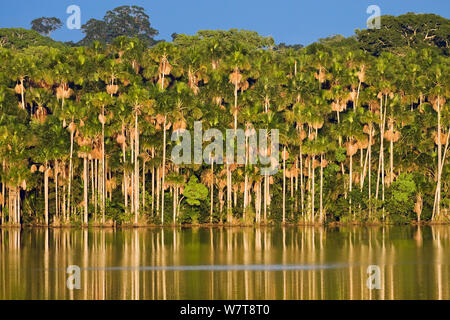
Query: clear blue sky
x=289 y=21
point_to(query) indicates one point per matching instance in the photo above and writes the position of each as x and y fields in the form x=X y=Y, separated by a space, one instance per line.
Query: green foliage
x=46 y=25
x=195 y=191
x=339 y=41
x=340 y=154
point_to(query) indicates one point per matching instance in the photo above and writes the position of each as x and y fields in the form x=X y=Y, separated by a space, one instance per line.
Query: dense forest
x=85 y=131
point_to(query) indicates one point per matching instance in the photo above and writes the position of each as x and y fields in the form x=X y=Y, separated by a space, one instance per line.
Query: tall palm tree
x=102 y=100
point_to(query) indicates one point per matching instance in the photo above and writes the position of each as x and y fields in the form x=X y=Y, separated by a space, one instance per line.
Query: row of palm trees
x=86 y=131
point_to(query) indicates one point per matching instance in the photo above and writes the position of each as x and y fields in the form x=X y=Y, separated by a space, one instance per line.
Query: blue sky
x=289 y=21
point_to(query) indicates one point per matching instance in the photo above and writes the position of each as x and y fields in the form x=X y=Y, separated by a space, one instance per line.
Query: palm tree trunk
x=153 y=185
x=143 y=186
x=164 y=170
x=132 y=199
x=292 y=194
x=392 y=155
x=92 y=182
x=22 y=95
x=86 y=186
x=438 y=188
x=3 y=195
x=312 y=187
x=369 y=169
x=350 y=184
x=18 y=205
x=136 y=170
x=235 y=105
x=56 y=189
x=212 y=192
x=437 y=199
x=96 y=177
x=103 y=166
x=296 y=186
x=125 y=177
x=174 y=205
x=70 y=170
x=321 y=189
x=245 y=179
x=64 y=194
x=229 y=191
x=440 y=170
x=302 y=187
x=265 y=196
x=158 y=187
x=357 y=96
x=381 y=148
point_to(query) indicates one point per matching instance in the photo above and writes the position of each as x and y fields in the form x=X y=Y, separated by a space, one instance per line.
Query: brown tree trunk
x=284 y=185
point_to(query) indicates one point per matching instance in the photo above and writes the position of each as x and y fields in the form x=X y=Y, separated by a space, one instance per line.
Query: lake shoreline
x=224 y=225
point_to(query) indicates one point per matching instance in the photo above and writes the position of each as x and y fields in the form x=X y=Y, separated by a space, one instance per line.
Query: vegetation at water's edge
x=364 y=128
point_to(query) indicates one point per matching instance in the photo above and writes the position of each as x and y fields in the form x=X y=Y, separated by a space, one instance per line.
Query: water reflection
x=264 y=263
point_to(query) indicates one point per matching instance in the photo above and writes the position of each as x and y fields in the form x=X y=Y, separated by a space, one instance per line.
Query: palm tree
x=351 y=128
x=22 y=68
x=138 y=99
x=438 y=101
x=102 y=100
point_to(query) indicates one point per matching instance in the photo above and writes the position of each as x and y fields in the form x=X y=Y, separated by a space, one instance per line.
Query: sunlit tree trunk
x=212 y=192
x=86 y=186
x=312 y=187
x=56 y=189
x=229 y=191
x=70 y=170
x=125 y=176
x=381 y=148
x=302 y=186
x=437 y=198
x=153 y=184
x=136 y=170
x=369 y=169
x=245 y=179
x=164 y=170
x=64 y=193
x=46 y=193
x=143 y=186
x=3 y=195
x=392 y=154
x=284 y=184
x=350 y=183
x=22 y=95
x=321 y=189
x=92 y=183
x=158 y=188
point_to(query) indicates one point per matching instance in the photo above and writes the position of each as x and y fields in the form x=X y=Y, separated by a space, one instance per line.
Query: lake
x=403 y=262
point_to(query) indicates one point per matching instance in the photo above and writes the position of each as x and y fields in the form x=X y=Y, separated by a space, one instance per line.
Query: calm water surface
x=226 y=263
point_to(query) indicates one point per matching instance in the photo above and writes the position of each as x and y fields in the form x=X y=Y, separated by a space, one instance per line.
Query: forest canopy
x=364 y=131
